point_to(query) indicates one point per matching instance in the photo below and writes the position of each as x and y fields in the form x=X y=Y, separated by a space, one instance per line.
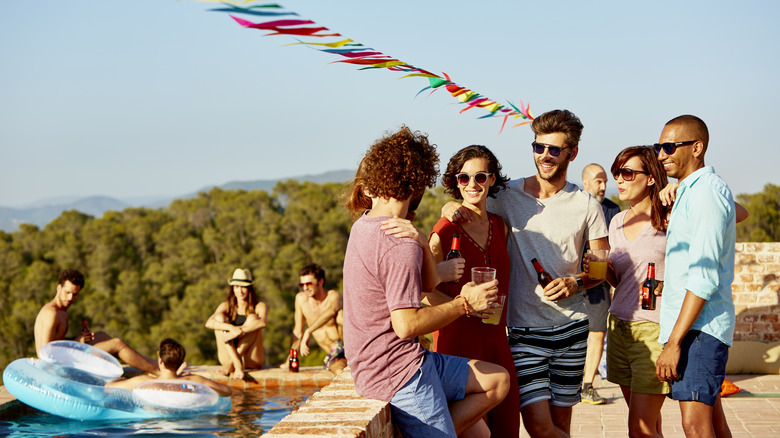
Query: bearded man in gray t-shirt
x=551 y=221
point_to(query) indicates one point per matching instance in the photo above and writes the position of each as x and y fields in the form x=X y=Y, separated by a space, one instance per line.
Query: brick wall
x=337 y=411
x=756 y=291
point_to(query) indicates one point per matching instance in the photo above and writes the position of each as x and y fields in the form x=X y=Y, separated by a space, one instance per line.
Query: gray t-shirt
x=554 y=231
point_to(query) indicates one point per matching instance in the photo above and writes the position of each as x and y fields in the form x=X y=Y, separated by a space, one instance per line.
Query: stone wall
x=756 y=291
x=337 y=411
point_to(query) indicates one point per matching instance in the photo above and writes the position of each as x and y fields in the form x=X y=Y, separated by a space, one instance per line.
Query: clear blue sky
x=134 y=98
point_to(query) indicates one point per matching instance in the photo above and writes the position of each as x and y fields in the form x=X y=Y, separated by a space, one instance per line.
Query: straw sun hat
x=241 y=277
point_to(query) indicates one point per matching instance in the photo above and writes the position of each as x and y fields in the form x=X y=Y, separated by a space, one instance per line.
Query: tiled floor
x=754 y=412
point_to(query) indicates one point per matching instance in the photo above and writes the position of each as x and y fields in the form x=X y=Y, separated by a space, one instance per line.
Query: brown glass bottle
x=648 y=288
x=294 y=361
x=454 y=251
x=543 y=276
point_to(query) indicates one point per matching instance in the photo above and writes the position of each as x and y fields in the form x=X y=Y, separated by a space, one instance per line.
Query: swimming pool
x=253 y=413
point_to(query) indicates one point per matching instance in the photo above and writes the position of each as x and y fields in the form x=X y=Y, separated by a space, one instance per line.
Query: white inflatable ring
x=82 y=357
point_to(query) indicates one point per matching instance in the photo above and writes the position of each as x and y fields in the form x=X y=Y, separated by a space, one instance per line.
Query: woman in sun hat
x=238 y=326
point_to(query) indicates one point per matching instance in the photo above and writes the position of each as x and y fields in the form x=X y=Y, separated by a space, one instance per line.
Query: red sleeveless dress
x=470 y=337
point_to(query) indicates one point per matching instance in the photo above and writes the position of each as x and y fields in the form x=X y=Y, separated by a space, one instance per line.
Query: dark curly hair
x=312 y=269
x=400 y=165
x=559 y=121
x=659 y=213
x=460 y=158
x=72 y=275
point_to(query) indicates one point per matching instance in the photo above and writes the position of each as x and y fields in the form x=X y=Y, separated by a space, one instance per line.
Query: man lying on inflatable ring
x=169 y=359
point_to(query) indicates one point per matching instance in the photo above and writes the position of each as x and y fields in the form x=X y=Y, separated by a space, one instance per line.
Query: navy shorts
x=701 y=369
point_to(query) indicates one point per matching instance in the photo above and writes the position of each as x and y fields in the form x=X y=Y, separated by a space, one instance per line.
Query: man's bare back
x=51 y=324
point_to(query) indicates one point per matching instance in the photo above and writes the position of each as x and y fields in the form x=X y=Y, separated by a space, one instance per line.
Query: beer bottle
x=294 y=361
x=648 y=288
x=454 y=251
x=543 y=276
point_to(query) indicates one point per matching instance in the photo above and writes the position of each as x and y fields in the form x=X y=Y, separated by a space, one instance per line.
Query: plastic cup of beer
x=598 y=263
x=497 y=310
x=481 y=275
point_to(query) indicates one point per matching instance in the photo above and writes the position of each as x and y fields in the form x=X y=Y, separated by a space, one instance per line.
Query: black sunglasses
x=302 y=285
x=481 y=178
x=670 y=148
x=628 y=174
x=554 y=150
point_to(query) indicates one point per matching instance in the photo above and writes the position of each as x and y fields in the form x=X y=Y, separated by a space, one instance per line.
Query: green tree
x=763 y=223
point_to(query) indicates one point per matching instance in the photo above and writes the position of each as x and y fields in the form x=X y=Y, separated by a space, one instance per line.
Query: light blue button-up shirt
x=700 y=255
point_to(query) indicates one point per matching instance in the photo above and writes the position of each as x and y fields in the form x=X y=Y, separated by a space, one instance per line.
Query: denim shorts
x=420 y=407
x=701 y=369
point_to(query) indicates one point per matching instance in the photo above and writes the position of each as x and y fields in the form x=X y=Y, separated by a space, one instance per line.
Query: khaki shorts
x=632 y=351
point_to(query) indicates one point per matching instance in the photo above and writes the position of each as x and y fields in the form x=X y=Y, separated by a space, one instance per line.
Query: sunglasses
x=628 y=174
x=670 y=148
x=302 y=285
x=554 y=150
x=480 y=178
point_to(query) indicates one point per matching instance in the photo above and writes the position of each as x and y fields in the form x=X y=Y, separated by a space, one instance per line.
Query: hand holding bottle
x=86 y=334
x=450 y=270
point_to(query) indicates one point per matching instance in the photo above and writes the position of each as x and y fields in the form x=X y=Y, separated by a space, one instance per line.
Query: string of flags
x=366 y=58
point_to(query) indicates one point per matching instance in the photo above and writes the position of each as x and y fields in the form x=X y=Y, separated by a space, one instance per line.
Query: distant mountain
x=44 y=211
x=10 y=218
x=268 y=184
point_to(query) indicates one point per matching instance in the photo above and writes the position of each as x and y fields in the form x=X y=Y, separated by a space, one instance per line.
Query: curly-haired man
x=430 y=394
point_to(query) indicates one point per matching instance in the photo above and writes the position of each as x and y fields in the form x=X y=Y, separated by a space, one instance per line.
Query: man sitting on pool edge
x=169 y=358
x=51 y=324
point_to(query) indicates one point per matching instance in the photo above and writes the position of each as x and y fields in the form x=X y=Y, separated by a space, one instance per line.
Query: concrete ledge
x=337 y=411
x=271 y=378
x=751 y=357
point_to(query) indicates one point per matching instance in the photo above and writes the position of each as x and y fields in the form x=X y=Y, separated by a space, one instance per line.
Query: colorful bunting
x=366 y=57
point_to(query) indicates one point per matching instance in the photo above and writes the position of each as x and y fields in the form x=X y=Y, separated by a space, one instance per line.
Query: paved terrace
x=754 y=412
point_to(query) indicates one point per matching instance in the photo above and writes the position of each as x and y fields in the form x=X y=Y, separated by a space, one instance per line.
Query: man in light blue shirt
x=697 y=312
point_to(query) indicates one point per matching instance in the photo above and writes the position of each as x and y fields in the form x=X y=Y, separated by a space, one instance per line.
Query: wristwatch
x=580 y=283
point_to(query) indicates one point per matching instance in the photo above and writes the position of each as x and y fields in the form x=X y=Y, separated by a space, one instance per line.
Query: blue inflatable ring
x=70 y=383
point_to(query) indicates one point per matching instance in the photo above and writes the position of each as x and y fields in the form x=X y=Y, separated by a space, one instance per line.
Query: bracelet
x=465 y=303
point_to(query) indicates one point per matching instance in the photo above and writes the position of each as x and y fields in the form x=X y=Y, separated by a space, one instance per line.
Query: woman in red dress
x=472 y=175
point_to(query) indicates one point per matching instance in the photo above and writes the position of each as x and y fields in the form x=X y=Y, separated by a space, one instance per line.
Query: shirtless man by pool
x=51 y=324
x=170 y=358
x=322 y=311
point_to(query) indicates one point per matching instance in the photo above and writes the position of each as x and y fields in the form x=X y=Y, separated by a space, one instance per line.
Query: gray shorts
x=597 y=302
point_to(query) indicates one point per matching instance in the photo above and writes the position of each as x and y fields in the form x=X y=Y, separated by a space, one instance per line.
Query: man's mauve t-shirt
x=381 y=274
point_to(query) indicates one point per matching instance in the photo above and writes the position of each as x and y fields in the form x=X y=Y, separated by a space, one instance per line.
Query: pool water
x=254 y=413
